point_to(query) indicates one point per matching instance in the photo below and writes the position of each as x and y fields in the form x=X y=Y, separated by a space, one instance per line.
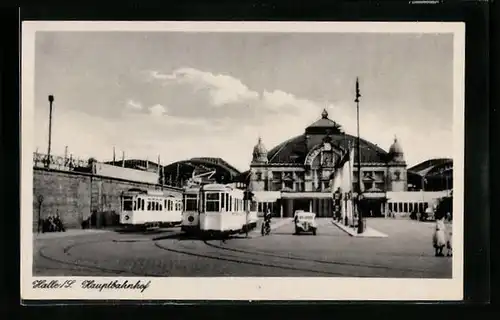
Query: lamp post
x=51 y=100
x=361 y=227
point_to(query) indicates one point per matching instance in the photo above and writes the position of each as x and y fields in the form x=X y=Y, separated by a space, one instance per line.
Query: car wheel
x=314 y=232
x=297 y=230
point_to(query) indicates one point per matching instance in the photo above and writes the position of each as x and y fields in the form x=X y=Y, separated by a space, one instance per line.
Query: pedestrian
x=439 y=237
x=449 y=233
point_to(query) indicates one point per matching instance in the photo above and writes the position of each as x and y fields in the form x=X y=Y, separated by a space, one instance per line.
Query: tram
x=150 y=209
x=190 y=214
x=222 y=210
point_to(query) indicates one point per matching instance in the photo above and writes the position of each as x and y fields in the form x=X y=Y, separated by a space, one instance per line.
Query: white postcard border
x=245 y=288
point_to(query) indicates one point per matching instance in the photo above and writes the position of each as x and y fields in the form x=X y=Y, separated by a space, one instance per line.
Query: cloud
x=222 y=89
x=216 y=97
x=196 y=113
x=133 y=105
x=157 y=110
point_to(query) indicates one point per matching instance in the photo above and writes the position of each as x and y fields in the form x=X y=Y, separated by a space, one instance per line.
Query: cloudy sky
x=181 y=95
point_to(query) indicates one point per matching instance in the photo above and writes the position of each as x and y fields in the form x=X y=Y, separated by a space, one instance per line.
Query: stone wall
x=80 y=199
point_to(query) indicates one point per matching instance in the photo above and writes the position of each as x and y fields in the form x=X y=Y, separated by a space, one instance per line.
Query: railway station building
x=298 y=173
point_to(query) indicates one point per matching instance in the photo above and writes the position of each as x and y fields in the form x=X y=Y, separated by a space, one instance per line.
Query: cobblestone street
x=406 y=252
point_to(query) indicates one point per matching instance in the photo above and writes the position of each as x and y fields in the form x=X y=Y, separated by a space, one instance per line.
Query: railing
x=66 y=163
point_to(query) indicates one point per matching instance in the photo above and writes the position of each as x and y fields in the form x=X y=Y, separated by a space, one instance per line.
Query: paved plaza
x=406 y=252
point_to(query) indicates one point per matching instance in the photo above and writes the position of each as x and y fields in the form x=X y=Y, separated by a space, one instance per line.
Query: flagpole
x=361 y=228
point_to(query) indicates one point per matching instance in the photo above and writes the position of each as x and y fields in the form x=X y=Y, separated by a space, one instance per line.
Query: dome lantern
x=396 y=151
x=259 y=154
x=324 y=114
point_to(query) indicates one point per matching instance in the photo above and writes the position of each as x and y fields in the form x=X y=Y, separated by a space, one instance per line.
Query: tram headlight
x=127 y=217
x=191 y=219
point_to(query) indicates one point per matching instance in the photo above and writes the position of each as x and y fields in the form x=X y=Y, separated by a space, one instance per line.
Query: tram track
x=66 y=249
x=239 y=260
x=295 y=258
x=218 y=253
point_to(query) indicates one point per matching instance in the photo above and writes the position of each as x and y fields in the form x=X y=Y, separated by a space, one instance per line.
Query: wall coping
x=90 y=175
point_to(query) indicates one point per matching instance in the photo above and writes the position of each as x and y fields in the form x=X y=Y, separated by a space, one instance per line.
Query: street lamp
x=361 y=227
x=51 y=100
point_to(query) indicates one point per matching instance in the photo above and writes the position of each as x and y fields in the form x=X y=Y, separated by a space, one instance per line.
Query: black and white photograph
x=242 y=160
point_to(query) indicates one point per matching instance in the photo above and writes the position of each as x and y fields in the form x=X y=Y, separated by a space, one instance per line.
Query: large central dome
x=296 y=149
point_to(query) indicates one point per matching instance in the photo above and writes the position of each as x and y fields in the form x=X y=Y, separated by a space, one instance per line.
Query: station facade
x=299 y=173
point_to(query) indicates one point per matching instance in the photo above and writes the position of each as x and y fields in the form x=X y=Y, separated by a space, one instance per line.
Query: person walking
x=449 y=233
x=439 y=237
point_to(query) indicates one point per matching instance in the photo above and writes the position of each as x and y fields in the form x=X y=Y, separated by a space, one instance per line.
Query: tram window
x=389 y=206
x=127 y=204
x=165 y=204
x=212 y=202
x=135 y=205
x=222 y=202
x=143 y=204
x=149 y=205
x=396 y=207
x=161 y=206
x=157 y=206
x=253 y=206
x=405 y=206
x=230 y=203
x=191 y=203
x=227 y=202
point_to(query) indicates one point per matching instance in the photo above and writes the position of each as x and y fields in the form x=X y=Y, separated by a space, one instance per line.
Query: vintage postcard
x=242 y=160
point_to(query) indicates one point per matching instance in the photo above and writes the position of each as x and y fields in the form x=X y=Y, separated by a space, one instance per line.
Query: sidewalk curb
x=369 y=232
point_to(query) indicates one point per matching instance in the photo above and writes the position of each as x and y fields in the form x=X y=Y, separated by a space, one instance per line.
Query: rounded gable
x=295 y=150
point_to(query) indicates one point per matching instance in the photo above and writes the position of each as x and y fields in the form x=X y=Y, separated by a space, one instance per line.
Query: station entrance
x=321 y=204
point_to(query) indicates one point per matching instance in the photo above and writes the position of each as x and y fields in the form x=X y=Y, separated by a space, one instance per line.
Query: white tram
x=190 y=214
x=223 y=210
x=150 y=208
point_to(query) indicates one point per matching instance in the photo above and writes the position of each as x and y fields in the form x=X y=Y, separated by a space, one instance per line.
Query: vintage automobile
x=305 y=222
